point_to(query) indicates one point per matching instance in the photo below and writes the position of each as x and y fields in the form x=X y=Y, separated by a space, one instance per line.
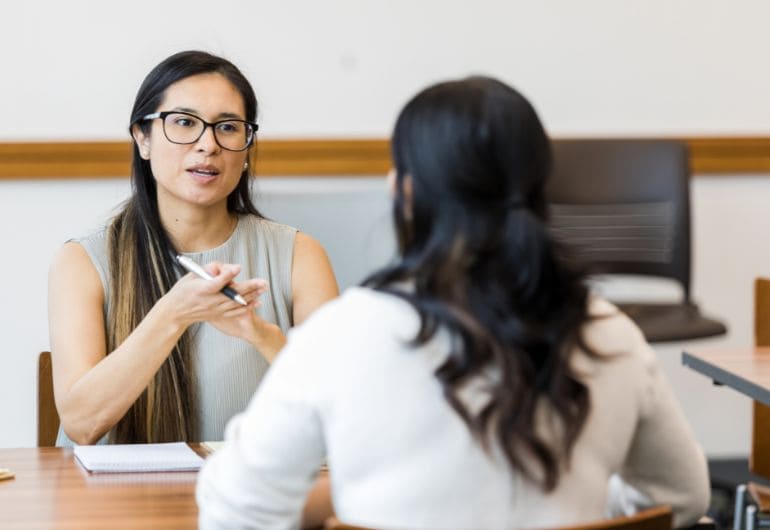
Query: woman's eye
x=228 y=127
x=184 y=122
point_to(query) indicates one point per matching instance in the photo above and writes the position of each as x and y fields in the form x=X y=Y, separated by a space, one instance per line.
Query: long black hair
x=474 y=244
x=142 y=268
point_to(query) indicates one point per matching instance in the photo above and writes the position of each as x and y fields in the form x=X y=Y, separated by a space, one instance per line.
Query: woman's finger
x=249 y=289
x=239 y=311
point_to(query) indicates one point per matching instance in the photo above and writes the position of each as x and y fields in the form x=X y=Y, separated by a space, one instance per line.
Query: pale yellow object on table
x=212 y=447
x=6 y=474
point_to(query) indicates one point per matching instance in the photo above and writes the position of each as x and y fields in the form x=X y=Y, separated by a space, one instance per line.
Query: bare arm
x=312 y=277
x=94 y=390
x=318 y=505
x=313 y=283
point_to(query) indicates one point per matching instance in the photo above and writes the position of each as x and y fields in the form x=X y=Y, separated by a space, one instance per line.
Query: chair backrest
x=47 y=416
x=623 y=205
x=658 y=518
x=759 y=459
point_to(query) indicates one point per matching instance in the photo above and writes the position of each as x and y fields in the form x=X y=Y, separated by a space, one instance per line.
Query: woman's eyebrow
x=221 y=115
x=185 y=109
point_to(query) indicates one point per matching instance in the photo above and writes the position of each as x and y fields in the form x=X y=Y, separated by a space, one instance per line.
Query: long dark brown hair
x=142 y=268
x=473 y=242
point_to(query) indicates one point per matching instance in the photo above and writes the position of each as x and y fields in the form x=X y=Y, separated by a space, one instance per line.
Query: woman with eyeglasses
x=475 y=383
x=142 y=350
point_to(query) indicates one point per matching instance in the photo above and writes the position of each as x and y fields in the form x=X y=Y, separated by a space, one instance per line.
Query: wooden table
x=52 y=491
x=747 y=370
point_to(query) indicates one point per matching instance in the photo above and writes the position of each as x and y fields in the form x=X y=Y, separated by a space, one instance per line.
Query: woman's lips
x=203 y=173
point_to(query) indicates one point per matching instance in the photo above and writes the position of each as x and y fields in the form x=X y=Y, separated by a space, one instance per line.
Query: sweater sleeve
x=273 y=451
x=665 y=463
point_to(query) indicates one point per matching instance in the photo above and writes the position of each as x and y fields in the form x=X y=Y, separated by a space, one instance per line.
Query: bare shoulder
x=73 y=279
x=313 y=281
x=72 y=267
x=309 y=255
x=69 y=253
x=308 y=248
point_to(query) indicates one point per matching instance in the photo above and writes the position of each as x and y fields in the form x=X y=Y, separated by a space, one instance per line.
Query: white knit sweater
x=348 y=388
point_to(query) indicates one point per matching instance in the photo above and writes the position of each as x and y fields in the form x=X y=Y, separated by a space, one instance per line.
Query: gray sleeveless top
x=228 y=369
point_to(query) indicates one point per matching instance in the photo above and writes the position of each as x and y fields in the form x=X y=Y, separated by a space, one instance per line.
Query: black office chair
x=623 y=206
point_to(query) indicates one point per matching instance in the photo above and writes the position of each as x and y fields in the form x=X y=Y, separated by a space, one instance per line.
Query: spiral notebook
x=130 y=458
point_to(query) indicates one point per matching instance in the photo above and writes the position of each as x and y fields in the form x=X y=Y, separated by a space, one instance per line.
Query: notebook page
x=128 y=458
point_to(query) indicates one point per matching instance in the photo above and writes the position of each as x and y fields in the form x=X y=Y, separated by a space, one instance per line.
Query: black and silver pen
x=190 y=266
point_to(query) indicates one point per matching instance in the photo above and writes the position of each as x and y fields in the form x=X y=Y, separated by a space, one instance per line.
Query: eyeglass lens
x=186 y=129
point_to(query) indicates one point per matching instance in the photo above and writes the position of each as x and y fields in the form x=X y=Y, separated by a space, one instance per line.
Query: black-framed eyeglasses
x=185 y=128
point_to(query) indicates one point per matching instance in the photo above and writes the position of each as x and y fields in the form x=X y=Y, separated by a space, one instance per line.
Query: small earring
x=246 y=165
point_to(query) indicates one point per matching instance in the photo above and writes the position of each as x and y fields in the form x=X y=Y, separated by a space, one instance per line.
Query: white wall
x=343 y=68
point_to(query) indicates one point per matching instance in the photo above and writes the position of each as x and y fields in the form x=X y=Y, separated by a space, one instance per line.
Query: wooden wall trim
x=272 y=158
x=323 y=157
x=64 y=160
x=328 y=157
x=729 y=155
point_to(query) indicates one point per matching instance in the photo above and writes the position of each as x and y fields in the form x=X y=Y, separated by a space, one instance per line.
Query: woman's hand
x=241 y=321
x=194 y=299
x=266 y=337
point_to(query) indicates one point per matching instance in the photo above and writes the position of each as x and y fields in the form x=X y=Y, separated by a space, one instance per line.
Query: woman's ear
x=392 y=183
x=406 y=187
x=142 y=141
x=408 y=196
x=407 y=184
